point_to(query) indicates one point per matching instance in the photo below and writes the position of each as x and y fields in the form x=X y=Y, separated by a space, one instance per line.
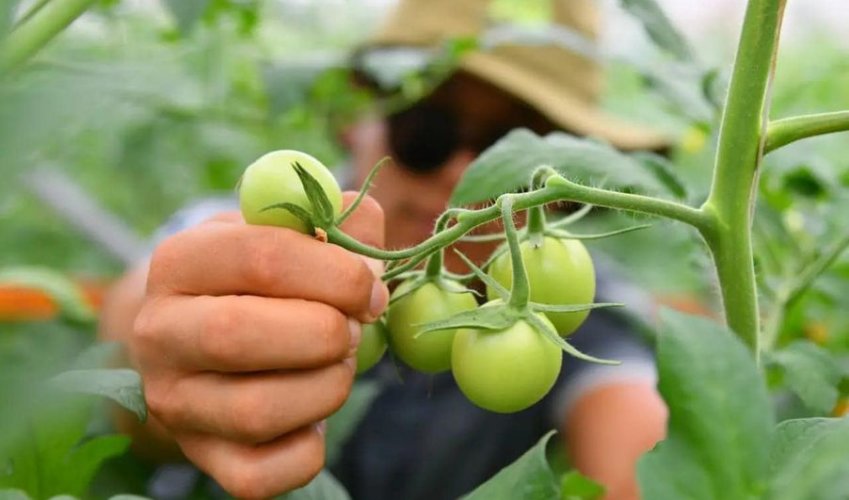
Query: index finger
x=225 y=258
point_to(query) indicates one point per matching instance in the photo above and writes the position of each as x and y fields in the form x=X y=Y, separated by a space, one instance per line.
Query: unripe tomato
x=372 y=346
x=505 y=370
x=430 y=352
x=272 y=179
x=560 y=272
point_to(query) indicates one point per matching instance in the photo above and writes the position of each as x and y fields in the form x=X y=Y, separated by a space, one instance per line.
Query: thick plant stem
x=739 y=153
x=31 y=36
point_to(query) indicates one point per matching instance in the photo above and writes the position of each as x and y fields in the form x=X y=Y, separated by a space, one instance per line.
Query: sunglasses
x=424 y=136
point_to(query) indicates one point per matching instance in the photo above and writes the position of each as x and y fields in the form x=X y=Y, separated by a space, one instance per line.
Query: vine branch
x=556 y=189
x=31 y=36
x=785 y=131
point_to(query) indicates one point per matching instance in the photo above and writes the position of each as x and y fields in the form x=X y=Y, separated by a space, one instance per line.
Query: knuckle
x=334 y=334
x=341 y=381
x=359 y=280
x=250 y=416
x=265 y=260
x=218 y=341
x=144 y=335
x=163 y=259
x=160 y=402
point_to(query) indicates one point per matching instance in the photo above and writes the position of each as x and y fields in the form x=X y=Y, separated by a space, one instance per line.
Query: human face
x=411 y=200
x=413 y=196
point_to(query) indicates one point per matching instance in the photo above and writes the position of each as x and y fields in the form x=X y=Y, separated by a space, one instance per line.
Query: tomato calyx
x=514 y=305
x=418 y=279
x=322 y=215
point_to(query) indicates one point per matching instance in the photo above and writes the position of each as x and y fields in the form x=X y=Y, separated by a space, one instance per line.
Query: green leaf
x=720 y=418
x=560 y=233
x=85 y=460
x=64 y=292
x=664 y=171
x=659 y=28
x=679 y=85
x=536 y=306
x=323 y=487
x=529 y=476
x=120 y=384
x=342 y=424
x=809 y=459
x=496 y=317
x=293 y=209
x=187 y=13
x=486 y=279
x=13 y=494
x=546 y=329
x=575 y=486
x=507 y=166
x=37 y=459
x=97 y=355
x=811 y=373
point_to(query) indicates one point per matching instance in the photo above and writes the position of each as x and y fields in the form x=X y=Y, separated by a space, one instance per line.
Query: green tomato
x=560 y=272
x=430 y=352
x=272 y=179
x=372 y=346
x=505 y=370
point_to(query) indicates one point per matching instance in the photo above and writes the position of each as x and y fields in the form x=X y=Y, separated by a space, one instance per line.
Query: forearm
x=607 y=430
x=120 y=308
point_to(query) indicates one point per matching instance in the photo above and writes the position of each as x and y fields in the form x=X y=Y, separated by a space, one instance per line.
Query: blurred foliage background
x=148 y=105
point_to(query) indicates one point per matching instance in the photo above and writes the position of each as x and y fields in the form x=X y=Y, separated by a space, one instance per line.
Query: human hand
x=245 y=344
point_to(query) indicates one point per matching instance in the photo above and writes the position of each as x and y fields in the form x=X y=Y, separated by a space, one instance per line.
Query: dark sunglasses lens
x=422 y=137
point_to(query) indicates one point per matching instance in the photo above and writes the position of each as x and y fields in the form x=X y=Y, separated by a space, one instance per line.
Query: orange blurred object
x=841 y=409
x=19 y=303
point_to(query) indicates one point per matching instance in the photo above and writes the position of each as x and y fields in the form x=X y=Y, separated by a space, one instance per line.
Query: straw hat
x=561 y=84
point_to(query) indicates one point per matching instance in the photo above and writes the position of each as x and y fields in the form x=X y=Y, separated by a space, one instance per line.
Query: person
x=245 y=335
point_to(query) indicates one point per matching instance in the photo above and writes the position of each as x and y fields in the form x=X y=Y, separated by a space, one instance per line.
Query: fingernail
x=356 y=331
x=351 y=361
x=375 y=265
x=379 y=297
x=321 y=427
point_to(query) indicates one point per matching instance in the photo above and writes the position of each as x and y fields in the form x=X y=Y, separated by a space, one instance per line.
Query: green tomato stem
x=433 y=269
x=739 y=153
x=363 y=191
x=520 y=293
x=536 y=224
x=782 y=132
x=556 y=189
x=31 y=36
x=33 y=10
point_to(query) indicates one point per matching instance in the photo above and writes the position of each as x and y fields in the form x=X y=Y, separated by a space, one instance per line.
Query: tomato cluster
x=502 y=369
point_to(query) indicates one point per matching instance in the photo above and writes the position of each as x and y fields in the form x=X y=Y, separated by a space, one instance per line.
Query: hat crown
x=552 y=77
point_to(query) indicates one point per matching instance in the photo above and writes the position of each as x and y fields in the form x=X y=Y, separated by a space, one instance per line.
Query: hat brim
x=562 y=108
